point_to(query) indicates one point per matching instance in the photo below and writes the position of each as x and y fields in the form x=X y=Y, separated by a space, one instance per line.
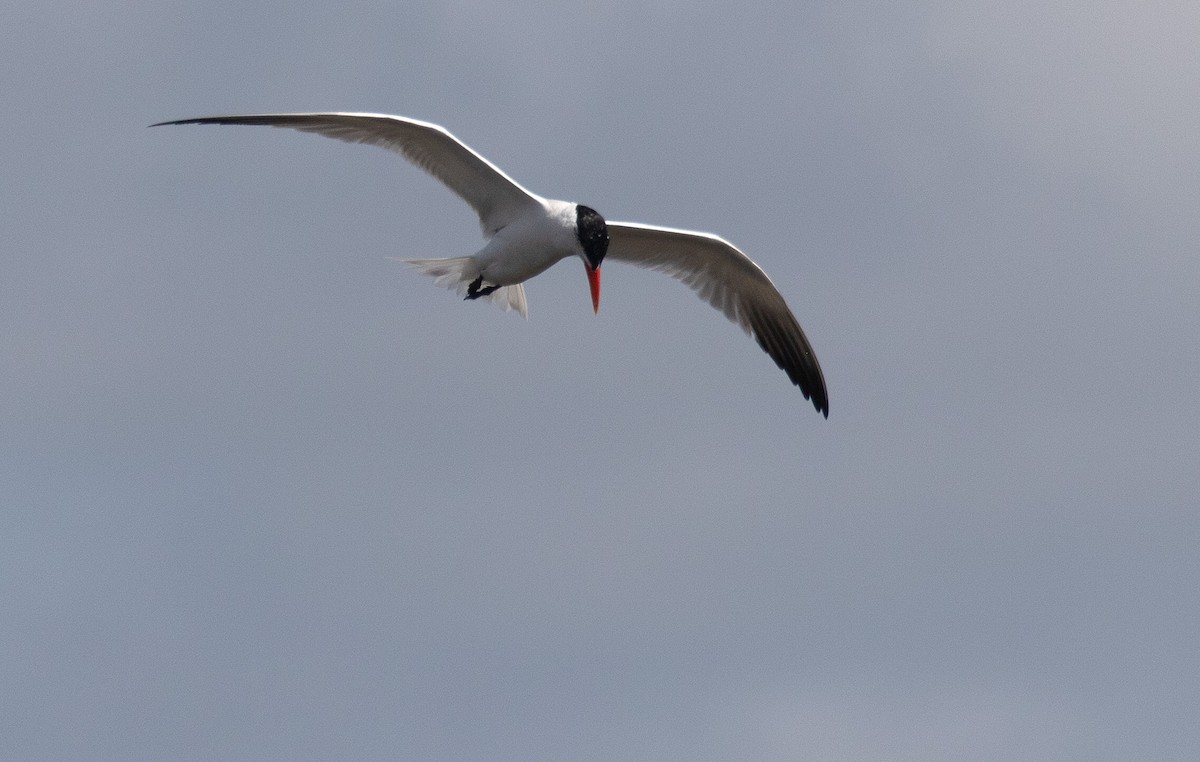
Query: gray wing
x=730 y=281
x=496 y=197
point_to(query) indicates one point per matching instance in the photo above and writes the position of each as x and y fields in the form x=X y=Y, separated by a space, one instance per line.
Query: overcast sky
x=268 y=494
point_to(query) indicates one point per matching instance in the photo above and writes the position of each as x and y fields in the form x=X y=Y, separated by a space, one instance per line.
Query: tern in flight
x=526 y=234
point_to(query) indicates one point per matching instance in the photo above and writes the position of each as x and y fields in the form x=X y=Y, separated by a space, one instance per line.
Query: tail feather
x=456 y=273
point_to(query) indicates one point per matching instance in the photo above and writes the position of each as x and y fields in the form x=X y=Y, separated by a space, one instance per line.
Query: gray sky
x=267 y=494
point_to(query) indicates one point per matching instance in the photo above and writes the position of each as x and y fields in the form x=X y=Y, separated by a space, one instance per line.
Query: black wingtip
x=194 y=120
x=820 y=397
x=819 y=401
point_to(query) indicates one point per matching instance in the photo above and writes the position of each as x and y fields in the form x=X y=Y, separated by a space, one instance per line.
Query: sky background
x=268 y=494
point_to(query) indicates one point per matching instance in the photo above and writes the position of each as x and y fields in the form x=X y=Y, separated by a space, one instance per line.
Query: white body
x=529 y=245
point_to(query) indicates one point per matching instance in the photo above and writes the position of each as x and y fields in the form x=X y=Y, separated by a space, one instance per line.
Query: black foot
x=477 y=289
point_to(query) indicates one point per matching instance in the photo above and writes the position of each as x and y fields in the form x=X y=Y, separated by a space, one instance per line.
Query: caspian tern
x=526 y=234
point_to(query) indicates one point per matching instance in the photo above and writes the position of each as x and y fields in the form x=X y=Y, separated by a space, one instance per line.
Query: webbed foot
x=476 y=289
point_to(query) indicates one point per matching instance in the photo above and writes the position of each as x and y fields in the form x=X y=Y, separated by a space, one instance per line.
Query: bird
x=526 y=234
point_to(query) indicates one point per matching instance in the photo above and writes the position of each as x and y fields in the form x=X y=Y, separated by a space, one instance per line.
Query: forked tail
x=456 y=273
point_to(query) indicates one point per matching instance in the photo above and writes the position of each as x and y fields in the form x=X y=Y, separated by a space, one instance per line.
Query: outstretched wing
x=730 y=281
x=496 y=197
